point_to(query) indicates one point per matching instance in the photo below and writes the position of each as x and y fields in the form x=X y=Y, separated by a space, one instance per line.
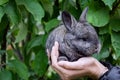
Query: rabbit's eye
x=84 y=39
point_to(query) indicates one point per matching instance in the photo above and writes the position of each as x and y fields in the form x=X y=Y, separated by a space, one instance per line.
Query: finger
x=70 y=74
x=54 y=57
x=55 y=49
x=54 y=53
x=81 y=63
x=56 y=45
x=77 y=73
x=71 y=65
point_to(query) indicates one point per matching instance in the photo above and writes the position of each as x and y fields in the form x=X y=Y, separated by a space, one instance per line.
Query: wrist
x=98 y=69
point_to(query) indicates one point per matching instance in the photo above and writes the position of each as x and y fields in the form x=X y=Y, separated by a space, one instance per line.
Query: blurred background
x=25 y=25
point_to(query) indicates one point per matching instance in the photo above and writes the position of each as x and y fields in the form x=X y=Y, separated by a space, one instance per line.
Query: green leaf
x=12 y=12
x=43 y=39
x=98 y=16
x=1 y=12
x=3 y=2
x=83 y=3
x=2 y=52
x=118 y=12
x=33 y=43
x=33 y=7
x=47 y=5
x=51 y=24
x=40 y=63
x=19 y=68
x=115 y=24
x=104 y=30
x=115 y=38
x=22 y=32
x=109 y=3
x=104 y=53
x=5 y=75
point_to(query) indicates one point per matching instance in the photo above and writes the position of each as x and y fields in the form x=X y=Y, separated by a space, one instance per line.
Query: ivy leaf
x=5 y=75
x=22 y=32
x=1 y=12
x=115 y=24
x=47 y=5
x=33 y=7
x=51 y=24
x=3 y=2
x=19 y=68
x=115 y=38
x=98 y=16
x=109 y=3
x=12 y=12
x=40 y=63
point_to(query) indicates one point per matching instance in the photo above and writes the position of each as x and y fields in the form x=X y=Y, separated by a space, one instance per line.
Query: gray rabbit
x=76 y=38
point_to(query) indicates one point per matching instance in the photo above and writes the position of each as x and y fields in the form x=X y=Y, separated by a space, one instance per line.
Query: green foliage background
x=25 y=25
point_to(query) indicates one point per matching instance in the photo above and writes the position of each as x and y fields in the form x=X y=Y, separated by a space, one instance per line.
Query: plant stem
x=115 y=7
x=3 y=46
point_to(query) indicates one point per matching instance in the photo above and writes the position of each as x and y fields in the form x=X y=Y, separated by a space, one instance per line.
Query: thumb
x=69 y=65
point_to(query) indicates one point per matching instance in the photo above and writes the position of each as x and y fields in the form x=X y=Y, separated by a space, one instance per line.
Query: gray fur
x=76 y=38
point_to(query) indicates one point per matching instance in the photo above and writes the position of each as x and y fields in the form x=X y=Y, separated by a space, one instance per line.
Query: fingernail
x=53 y=47
x=56 y=43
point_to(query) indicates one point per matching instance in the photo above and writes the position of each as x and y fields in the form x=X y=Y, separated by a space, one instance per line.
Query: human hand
x=86 y=66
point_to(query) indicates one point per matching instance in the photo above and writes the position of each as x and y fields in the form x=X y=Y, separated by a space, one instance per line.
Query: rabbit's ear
x=83 y=15
x=68 y=20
